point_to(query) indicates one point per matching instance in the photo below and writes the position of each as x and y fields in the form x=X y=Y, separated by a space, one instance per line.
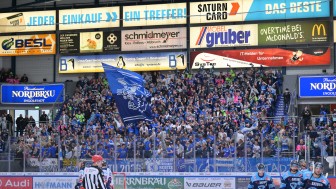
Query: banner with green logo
x=150 y=182
x=287 y=33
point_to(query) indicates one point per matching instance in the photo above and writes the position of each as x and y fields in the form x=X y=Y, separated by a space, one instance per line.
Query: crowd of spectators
x=201 y=114
x=7 y=76
x=198 y=112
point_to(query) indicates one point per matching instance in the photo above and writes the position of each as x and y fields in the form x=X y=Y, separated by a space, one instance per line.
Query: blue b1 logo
x=172 y=61
x=63 y=65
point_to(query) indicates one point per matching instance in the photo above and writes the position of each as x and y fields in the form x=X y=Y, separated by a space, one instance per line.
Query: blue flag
x=131 y=97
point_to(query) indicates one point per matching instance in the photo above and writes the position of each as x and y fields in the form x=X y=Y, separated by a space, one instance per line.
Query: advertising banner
x=287 y=33
x=40 y=44
x=242 y=182
x=89 y=42
x=281 y=33
x=151 y=15
x=317 y=86
x=36 y=162
x=249 y=10
x=332 y=182
x=154 y=39
x=16 y=182
x=221 y=165
x=210 y=182
x=103 y=17
x=334 y=31
x=334 y=2
x=151 y=182
x=268 y=57
x=224 y=36
x=134 y=62
x=32 y=94
x=54 y=182
x=28 y=21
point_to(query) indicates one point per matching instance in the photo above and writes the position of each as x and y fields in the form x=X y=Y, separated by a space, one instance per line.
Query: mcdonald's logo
x=318 y=28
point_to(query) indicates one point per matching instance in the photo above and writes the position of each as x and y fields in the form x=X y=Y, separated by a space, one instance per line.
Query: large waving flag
x=131 y=97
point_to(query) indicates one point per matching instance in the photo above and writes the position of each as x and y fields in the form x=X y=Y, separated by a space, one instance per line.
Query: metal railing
x=323 y=120
x=168 y=152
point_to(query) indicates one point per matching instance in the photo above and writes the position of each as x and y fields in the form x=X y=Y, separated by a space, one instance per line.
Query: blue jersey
x=80 y=178
x=306 y=171
x=291 y=180
x=311 y=182
x=107 y=173
x=264 y=182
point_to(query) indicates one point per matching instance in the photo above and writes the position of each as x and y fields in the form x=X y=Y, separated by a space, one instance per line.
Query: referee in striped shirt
x=93 y=176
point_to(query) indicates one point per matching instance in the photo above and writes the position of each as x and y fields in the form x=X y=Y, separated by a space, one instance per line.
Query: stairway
x=279 y=109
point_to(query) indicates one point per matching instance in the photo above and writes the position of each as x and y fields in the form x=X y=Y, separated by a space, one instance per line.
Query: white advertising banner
x=256 y=10
x=35 y=162
x=105 y=17
x=217 y=11
x=154 y=39
x=224 y=36
x=159 y=14
x=135 y=62
x=28 y=21
x=210 y=182
x=54 y=182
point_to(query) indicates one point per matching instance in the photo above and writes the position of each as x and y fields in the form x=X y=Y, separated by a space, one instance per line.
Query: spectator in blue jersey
x=261 y=179
x=148 y=148
x=170 y=151
x=122 y=151
x=189 y=149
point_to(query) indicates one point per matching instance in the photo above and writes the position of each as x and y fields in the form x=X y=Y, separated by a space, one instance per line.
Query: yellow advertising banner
x=28 y=21
x=25 y=45
x=152 y=15
x=102 y=17
x=154 y=61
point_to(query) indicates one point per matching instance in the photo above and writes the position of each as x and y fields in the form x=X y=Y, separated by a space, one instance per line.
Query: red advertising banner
x=16 y=182
x=267 y=57
x=332 y=182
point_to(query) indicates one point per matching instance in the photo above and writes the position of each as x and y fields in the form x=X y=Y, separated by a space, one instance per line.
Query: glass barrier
x=52 y=147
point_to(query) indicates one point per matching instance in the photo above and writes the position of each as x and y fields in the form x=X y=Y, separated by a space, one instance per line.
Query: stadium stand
x=198 y=115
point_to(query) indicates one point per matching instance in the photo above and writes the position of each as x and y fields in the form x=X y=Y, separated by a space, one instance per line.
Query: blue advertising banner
x=317 y=86
x=334 y=8
x=198 y=165
x=248 y=10
x=287 y=9
x=32 y=94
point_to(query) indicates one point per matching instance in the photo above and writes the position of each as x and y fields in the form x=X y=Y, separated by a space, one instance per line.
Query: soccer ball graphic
x=112 y=38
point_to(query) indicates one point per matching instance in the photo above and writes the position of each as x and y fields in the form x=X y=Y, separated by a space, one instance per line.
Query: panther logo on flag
x=136 y=97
